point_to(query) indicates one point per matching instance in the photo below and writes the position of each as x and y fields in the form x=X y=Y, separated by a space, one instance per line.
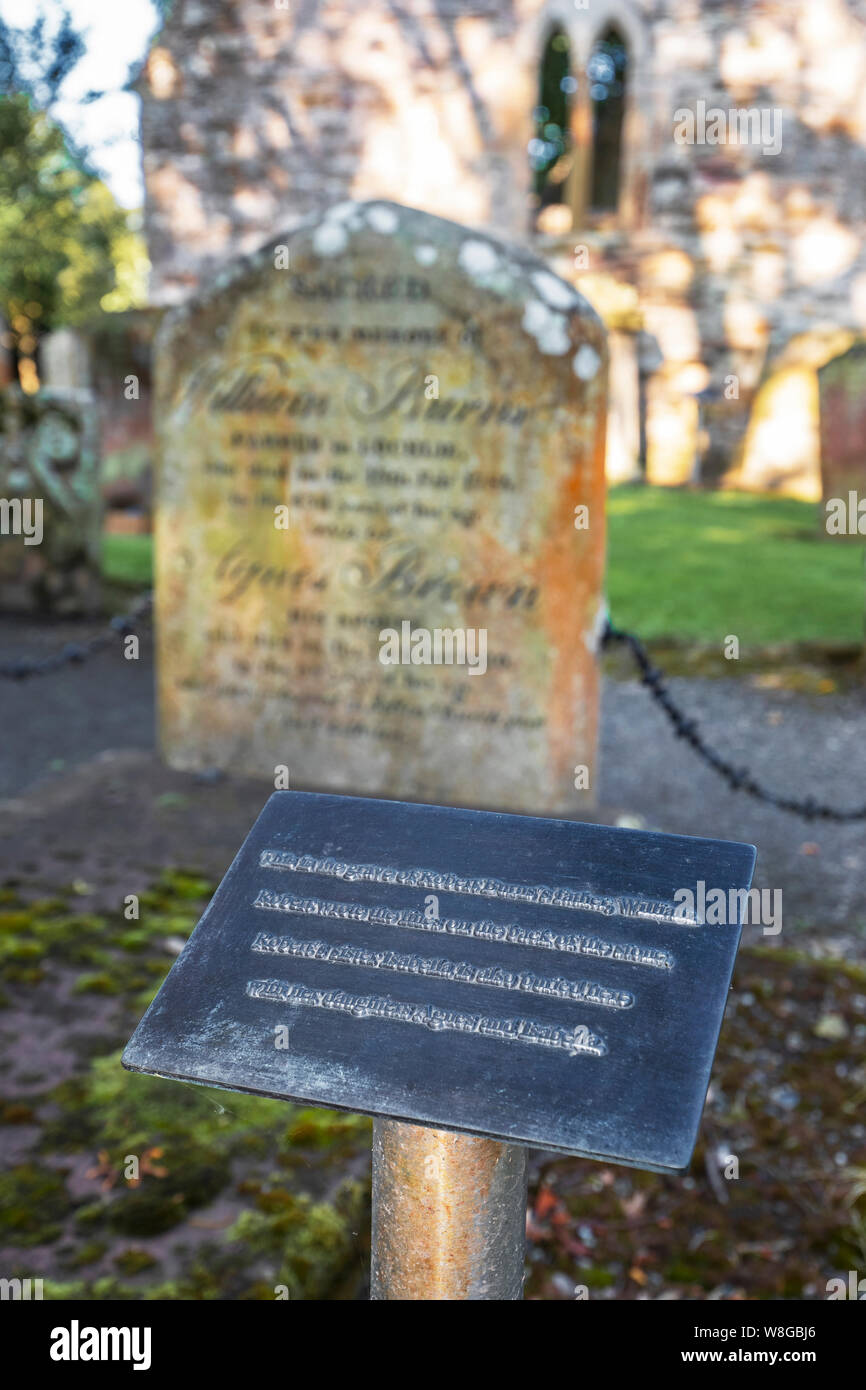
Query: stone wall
x=254 y=116
x=744 y=265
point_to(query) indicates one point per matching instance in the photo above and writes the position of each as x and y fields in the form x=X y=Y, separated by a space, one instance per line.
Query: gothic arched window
x=549 y=149
x=606 y=71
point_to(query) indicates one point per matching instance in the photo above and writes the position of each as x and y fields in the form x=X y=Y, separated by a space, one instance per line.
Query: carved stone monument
x=380 y=520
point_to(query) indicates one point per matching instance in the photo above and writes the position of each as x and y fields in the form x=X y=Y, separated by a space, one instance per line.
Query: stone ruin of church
x=698 y=169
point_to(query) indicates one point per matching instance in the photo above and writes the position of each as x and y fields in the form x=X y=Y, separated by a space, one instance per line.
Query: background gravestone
x=842 y=390
x=49 y=452
x=429 y=405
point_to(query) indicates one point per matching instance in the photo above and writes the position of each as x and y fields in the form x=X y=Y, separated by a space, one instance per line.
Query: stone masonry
x=739 y=257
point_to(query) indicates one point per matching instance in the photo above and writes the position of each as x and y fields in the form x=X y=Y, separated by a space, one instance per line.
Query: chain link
x=75 y=652
x=740 y=779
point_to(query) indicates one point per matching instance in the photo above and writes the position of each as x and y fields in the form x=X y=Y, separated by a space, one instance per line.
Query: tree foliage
x=61 y=230
x=67 y=249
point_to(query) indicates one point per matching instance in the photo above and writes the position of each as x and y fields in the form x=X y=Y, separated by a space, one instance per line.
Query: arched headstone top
x=497 y=269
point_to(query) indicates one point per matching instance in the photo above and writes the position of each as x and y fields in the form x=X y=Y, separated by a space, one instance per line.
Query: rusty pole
x=449 y=1215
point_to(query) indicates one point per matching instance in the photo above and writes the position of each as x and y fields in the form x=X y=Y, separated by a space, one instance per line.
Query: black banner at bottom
x=63 y=1339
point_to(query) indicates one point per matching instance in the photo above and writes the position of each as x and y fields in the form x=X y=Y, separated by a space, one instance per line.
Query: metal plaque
x=542 y=982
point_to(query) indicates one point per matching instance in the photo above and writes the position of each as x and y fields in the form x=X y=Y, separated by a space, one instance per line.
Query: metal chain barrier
x=739 y=779
x=75 y=652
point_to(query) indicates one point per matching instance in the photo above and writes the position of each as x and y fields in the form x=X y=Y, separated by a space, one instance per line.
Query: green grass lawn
x=701 y=565
x=693 y=565
x=128 y=560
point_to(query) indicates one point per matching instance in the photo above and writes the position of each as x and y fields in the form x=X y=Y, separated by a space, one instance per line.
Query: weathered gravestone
x=383 y=424
x=50 y=504
x=842 y=392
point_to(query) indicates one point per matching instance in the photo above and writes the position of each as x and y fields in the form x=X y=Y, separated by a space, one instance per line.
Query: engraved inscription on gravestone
x=384 y=422
x=532 y=980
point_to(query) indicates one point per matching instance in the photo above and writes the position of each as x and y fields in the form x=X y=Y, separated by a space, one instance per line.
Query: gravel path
x=54 y=727
x=796 y=744
x=52 y=723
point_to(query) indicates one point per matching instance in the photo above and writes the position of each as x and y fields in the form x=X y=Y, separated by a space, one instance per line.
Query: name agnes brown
x=406 y=573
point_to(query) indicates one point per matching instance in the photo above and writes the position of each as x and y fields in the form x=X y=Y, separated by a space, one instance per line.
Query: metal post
x=449 y=1215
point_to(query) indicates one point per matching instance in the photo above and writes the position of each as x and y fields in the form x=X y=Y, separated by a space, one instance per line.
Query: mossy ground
x=131 y=1187
x=238 y=1197
x=770 y=1208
